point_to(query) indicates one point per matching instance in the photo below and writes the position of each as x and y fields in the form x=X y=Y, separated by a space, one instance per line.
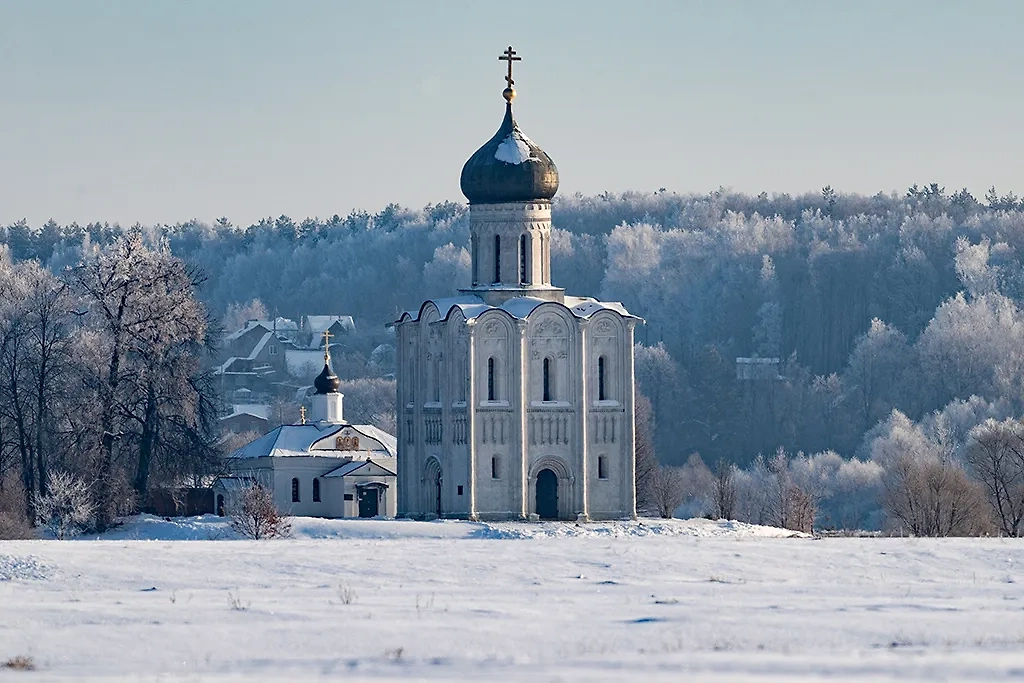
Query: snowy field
x=441 y=601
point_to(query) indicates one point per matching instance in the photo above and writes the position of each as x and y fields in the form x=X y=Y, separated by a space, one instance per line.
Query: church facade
x=515 y=400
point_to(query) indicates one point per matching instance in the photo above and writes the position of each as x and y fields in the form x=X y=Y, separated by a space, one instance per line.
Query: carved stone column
x=471 y=405
x=629 y=435
x=519 y=466
x=582 y=415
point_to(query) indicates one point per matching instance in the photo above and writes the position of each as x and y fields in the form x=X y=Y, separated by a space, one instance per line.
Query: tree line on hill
x=885 y=319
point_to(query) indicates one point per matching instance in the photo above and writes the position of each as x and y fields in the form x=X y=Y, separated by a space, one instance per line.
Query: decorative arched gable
x=607 y=340
x=494 y=332
x=552 y=345
x=350 y=438
x=457 y=347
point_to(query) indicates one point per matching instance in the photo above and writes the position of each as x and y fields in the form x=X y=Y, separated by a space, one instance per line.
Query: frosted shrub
x=256 y=515
x=925 y=490
x=996 y=455
x=853 y=502
x=724 y=490
x=67 y=510
x=934 y=497
x=668 y=490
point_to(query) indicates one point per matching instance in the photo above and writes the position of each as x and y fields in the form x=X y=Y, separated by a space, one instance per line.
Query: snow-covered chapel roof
x=369 y=468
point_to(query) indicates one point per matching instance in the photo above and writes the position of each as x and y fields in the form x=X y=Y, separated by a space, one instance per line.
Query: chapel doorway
x=369 y=501
x=547 y=494
x=220 y=505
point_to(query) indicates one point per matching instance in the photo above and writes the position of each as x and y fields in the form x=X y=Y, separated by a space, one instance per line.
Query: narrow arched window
x=316 y=490
x=547 y=379
x=491 y=394
x=523 y=275
x=476 y=258
x=464 y=378
x=295 y=490
x=437 y=381
x=602 y=393
x=545 y=260
x=497 y=258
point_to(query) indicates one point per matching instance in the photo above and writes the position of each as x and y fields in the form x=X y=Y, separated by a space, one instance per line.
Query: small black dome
x=510 y=167
x=326 y=382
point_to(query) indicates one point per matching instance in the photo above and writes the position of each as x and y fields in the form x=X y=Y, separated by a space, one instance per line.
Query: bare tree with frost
x=668 y=490
x=67 y=508
x=996 y=454
x=141 y=303
x=256 y=516
x=724 y=490
x=925 y=491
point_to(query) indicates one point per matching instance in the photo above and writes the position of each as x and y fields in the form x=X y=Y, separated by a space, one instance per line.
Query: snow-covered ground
x=439 y=601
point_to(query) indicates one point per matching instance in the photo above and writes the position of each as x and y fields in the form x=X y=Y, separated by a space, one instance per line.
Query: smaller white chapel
x=323 y=467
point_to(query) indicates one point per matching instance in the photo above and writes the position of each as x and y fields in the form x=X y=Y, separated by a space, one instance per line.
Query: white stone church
x=515 y=400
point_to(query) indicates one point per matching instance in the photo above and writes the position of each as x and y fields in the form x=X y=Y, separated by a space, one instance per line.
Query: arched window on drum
x=602 y=379
x=492 y=380
x=524 y=272
x=548 y=380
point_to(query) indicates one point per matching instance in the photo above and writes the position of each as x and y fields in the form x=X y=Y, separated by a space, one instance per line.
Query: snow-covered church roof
x=320 y=440
x=519 y=307
x=362 y=467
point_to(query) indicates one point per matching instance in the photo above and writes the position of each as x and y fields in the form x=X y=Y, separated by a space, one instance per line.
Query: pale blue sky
x=130 y=110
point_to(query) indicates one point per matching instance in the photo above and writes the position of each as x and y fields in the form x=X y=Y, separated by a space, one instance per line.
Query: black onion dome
x=326 y=382
x=510 y=167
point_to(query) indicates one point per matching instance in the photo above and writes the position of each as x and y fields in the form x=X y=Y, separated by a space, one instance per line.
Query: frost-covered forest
x=895 y=318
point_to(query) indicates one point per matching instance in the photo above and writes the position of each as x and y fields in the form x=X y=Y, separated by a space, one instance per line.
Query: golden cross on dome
x=509 y=56
x=302 y=414
x=327 y=345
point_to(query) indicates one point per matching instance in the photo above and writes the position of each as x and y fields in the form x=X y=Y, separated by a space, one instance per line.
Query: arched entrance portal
x=547 y=494
x=432 y=487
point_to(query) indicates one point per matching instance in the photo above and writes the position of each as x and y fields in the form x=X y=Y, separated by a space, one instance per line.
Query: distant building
x=754 y=369
x=246 y=418
x=253 y=358
x=340 y=326
x=257 y=362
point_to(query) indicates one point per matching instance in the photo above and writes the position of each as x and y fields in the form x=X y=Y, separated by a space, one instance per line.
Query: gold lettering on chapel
x=346 y=443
